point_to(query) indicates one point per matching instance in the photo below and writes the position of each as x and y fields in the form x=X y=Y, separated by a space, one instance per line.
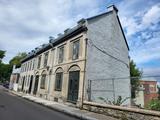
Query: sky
x=26 y=24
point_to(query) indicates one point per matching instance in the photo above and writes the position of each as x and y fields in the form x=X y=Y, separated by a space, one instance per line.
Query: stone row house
x=60 y=69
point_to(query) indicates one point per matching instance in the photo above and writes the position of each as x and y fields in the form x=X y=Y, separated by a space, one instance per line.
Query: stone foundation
x=123 y=113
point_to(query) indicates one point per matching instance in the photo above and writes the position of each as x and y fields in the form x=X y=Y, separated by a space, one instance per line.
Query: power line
x=135 y=77
x=108 y=54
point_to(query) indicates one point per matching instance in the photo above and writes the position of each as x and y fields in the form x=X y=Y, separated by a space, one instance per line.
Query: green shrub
x=154 y=105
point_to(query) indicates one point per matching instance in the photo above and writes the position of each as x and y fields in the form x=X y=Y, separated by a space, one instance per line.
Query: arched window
x=74 y=68
x=59 y=79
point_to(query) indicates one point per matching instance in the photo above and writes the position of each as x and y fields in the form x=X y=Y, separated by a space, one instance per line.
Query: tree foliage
x=5 y=72
x=135 y=74
x=158 y=92
x=154 y=105
x=2 y=55
x=17 y=59
x=6 y=69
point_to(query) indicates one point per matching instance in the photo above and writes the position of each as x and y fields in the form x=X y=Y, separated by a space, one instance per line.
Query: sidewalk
x=75 y=112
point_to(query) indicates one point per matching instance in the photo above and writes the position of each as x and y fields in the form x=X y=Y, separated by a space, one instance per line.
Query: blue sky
x=27 y=24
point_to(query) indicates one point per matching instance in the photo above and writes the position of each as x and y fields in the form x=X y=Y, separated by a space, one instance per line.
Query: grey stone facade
x=105 y=33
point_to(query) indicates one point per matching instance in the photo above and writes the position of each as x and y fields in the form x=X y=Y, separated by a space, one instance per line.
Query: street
x=16 y=108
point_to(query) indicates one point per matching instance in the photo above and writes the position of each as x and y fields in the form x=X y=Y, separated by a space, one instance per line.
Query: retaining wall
x=123 y=113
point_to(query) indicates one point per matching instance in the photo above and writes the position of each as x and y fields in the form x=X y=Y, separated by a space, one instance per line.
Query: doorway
x=73 y=86
x=36 y=85
x=23 y=83
x=30 y=85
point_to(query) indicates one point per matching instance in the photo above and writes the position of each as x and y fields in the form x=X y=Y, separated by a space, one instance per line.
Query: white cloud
x=14 y=46
x=152 y=15
x=141 y=20
x=130 y=24
x=143 y=51
x=151 y=71
x=29 y=23
x=147 y=52
x=147 y=19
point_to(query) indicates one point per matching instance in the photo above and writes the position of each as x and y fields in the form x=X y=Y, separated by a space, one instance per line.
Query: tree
x=135 y=74
x=17 y=59
x=2 y=55
x=6 y=69
x=158 y=92
x=5 y=72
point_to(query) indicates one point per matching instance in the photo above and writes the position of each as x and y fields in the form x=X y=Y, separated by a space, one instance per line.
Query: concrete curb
x=70 y=113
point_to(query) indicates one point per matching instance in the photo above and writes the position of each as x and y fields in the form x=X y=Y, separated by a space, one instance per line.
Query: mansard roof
x=68 y=33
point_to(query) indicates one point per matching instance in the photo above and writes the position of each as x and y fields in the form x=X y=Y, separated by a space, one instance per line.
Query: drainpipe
x=86 y=43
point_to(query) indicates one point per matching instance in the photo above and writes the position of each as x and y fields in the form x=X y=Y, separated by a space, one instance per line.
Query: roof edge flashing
x=112 y=8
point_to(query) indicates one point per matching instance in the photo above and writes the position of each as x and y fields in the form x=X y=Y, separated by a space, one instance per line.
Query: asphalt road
x=16 y=108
